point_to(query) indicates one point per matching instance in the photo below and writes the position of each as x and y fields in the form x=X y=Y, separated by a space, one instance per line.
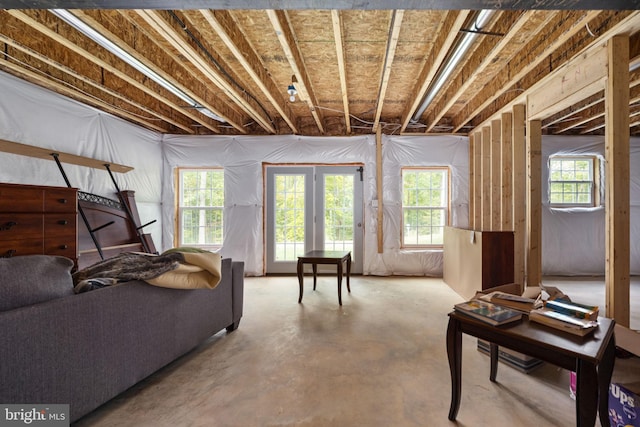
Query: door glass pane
x=338 y=212
x=289 y=217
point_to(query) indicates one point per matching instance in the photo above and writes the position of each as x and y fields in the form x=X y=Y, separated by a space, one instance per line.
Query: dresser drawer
x=17 y=226
x=60 y=200
x=21 y=246
x=21 y=199
x=60 y=225
x=66 y=248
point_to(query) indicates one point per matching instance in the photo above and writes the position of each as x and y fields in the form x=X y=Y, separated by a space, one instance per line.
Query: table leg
x=454 y=352
x=586 y=393
x=300 y=279
x=340 y=281
x=605 y=370
x=348 y=271
x=314 y=267
x=494 y=362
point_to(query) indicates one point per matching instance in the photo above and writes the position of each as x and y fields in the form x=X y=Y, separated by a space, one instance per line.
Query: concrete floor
x=379 y=360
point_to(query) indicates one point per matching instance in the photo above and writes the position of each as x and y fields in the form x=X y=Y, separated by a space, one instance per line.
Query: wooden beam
x=280 y=21
x=484 y=100
x=107 y=66
x=576 y=80
x=392 y=44
x=486 y=179
x=472 y=185
x=519 y=193
x=492 y=55
x=236 y=41
x=496 y=176
x=599 y=115
x=342 y=71
x=569 y=115
x=47 y=154
x=477 y=182
x=77 y=95
x=202 y=64
x=379 y=189
x=506 y=167
x=119 y=111
x=617 y=182
x=534 y=202
x=452 y=25
x=184 y=86
x=630 y=24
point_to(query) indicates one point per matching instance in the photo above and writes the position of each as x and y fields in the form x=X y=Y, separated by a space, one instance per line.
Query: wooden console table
x=591 y=357
x=324 y=257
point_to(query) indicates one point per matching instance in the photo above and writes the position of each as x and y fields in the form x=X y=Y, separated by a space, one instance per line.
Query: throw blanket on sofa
x=178 y=270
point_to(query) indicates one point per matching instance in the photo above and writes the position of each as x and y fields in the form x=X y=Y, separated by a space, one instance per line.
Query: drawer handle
x=8 y=226
x=8 y=254
x=63 y=222
x=64 y=247
x=63 y=201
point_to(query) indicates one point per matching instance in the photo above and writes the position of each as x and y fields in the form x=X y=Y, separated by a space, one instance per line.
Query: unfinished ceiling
x=411 y=71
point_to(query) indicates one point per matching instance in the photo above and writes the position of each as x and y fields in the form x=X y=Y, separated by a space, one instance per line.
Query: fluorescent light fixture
x=461 y=49
x=94 y=35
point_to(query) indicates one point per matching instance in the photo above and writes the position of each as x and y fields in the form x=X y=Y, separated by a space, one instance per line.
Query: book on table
x=512 y=301
x=488 y=312
x=563 y=322
x=571 y=308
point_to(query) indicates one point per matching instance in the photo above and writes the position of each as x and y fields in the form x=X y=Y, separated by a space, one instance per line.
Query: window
x=425 y=206
x=201 y=207
x=571 y=181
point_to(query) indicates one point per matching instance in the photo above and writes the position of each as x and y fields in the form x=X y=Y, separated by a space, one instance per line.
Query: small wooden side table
x=324 y=257
x=592 y=357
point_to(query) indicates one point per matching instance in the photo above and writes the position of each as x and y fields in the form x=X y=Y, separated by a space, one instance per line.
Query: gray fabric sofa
x=85 y=349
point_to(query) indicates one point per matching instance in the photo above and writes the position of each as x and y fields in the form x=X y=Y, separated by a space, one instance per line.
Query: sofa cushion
x=31 y=279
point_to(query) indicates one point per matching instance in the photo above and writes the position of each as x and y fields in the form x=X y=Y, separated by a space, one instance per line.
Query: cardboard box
x=624 y=405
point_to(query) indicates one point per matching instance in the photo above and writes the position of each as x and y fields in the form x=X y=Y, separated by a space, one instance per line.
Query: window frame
x=447 y=208
x=179 y=235
x=594 y=181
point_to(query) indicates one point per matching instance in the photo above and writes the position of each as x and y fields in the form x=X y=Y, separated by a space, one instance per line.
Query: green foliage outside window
x=202 y=207
x=338 y=212
x=571 y=181
x=425 y=204
x=289 y=216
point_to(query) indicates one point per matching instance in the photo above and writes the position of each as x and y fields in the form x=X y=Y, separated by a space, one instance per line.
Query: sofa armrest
x=237 y=283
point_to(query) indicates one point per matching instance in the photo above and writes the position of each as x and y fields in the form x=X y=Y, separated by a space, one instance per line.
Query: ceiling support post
x=617 y=181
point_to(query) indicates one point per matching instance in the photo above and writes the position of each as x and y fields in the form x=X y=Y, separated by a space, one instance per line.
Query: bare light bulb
x=291 y=90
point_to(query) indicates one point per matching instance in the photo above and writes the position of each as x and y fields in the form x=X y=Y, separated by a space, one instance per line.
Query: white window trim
x=595 y=182
x=446 y=208
x=180 y=209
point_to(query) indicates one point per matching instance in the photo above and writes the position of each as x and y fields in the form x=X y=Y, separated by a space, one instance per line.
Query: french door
x=312 y=207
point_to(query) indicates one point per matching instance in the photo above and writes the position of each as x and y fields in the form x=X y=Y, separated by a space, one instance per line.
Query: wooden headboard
x=113 y=230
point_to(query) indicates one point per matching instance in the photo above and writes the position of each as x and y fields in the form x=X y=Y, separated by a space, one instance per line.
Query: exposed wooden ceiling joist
x=390 y=52
x=337 y=34
x=355 y=69
x=287 y=39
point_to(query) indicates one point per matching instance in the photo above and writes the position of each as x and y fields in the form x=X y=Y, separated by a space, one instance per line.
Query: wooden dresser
x=38 y=220
x=477 y=260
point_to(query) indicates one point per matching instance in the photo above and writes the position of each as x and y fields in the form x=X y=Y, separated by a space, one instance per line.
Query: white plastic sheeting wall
x=573 y=240
x=243 y=157
x=34 y=116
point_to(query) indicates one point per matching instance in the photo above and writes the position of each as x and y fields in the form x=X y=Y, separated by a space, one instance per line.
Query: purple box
x=624 y=406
